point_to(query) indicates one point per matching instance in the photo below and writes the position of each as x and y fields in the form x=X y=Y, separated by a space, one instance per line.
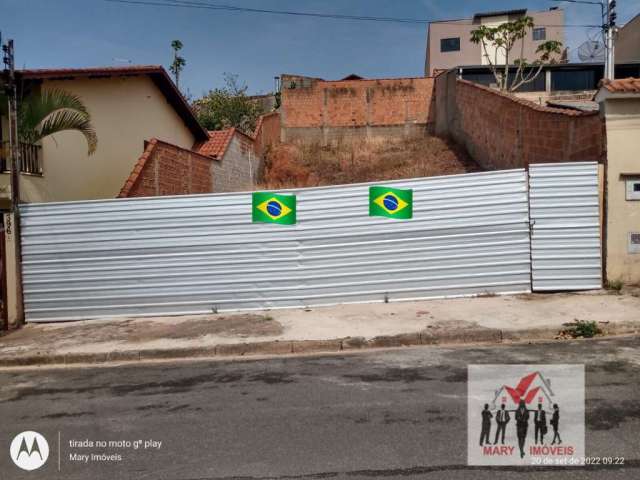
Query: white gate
x=565 y=220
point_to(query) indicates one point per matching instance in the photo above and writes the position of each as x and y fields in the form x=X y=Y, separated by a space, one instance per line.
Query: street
x=385 y=414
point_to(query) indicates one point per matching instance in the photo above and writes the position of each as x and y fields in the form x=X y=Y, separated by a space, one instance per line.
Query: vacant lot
x=291 y=165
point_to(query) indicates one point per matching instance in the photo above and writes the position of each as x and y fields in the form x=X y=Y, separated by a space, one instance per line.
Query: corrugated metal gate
x=197 y=254
x=565 y=218
x=470 y=234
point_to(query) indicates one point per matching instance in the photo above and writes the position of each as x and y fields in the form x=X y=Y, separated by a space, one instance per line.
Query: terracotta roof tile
x=140 y=164
x=626 y=85
x=133 y=177
x=40 y=73
x=217 y=144
x=155 y=72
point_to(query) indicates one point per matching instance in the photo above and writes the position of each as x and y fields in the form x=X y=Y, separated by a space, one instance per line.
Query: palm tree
x=53 y=111
x=178 y=62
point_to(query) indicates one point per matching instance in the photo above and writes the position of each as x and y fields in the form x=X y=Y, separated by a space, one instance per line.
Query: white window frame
x=632 y=194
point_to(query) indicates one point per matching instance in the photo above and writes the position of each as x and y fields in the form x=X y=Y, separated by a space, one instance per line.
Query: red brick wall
x=267 y=132
x=165 y=169
x=501 y=131
x=312 y=104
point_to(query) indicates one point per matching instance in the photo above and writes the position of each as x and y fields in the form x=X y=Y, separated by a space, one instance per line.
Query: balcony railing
x=30 y=158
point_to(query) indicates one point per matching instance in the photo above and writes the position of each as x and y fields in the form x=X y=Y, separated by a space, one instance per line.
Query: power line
x=232 y=8
x=210 y=6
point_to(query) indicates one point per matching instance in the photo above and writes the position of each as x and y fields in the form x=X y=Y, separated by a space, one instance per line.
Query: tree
x=503 y=39
x=178 y=63
x=53 y=111
x=228 y=106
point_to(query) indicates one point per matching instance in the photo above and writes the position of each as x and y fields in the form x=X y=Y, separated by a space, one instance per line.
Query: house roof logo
x=29 y=450
x=529 y=387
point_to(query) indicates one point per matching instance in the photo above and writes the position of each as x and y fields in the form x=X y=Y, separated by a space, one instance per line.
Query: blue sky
x=77 y=33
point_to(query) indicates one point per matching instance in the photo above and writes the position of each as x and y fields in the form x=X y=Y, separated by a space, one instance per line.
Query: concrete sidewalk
x=344 y=327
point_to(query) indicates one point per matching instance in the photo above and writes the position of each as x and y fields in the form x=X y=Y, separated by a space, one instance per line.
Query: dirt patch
x=452 y=325
x=144 y=330
x=374 y=159
x=633 y=290
x=540 y=296
x=240 y=326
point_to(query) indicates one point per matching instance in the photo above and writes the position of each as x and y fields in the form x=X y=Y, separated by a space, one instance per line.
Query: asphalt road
x=379 y=414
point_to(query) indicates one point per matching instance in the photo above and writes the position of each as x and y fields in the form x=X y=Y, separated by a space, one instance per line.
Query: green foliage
x=503 y=39
x=585 y=329
x=615 y=285
x=53 y=111
x=228 y=106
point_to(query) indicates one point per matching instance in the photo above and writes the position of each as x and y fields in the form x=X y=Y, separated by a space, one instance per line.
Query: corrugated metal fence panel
x=565 y=214
x=198 y=254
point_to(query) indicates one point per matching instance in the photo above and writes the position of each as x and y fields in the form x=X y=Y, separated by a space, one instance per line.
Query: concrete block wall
x=319 y=110
x=239 y=168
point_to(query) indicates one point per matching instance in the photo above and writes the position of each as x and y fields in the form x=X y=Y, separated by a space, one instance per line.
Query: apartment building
x=449 y=45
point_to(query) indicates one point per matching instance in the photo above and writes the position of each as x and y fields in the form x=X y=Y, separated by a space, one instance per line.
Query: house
x=628 y=42
x=149 y=141
x=128 y=106
x=237 y=167
x=449 y=45
x=532 y=388
x=227 y=161
x=620 y=106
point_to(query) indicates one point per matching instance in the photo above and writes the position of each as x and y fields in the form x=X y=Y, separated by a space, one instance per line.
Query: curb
x=288 y=347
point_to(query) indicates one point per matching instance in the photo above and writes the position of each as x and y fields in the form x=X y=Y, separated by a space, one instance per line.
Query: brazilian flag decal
x=390 y=202
x=274 y=208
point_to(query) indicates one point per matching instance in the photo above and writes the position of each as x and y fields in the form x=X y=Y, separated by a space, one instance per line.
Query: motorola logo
x=29 y=450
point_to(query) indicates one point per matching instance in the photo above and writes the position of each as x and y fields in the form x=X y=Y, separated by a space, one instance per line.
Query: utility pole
x=14 y=149
x=609 y=15
x=12 y=95
x=610 y=28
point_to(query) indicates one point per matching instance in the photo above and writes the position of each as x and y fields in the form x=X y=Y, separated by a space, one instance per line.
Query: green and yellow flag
x=274 y=208
x=390 y=202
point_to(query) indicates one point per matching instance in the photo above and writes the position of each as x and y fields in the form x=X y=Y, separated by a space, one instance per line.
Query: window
x=634 y=242
x=573 y=80
x=450 y=44
x=633 y=188
x=540 y=33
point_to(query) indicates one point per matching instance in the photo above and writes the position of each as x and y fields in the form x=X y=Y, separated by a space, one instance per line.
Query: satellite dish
x=591 y=51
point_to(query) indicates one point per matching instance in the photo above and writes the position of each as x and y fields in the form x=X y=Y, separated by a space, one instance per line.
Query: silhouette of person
x=502 y=418
x=486 y=425
x=522 y=425
x=555 y=421
x=540 y=422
